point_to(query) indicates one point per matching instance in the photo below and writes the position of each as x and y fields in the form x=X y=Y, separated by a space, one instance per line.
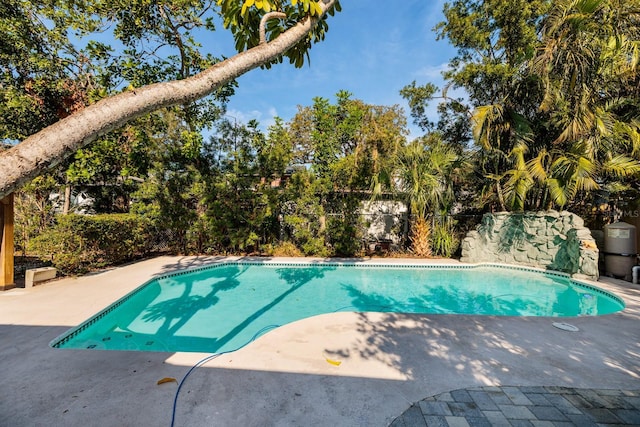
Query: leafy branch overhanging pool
x=220 y=307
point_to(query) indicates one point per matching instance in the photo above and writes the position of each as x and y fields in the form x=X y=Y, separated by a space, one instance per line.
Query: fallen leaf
x=333 y=362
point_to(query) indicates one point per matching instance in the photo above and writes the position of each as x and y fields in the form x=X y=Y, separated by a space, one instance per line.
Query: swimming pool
x=220 y=307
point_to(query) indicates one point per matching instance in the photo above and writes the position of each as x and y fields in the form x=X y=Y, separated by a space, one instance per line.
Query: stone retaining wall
x=552 y=240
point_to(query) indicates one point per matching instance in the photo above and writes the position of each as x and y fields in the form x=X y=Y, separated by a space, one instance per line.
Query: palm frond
x=558 y=191
x=621 y=166
x=485 y=118
x=538 y=166
x=627 y=137
x=617 y=187
x=517 y=187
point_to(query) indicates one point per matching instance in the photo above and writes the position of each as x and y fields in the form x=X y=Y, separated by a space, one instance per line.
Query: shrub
x=315 y=247
x=444 y=240
x=306 y=234
x=79 y=243
x=285 y=249
x=345 y=235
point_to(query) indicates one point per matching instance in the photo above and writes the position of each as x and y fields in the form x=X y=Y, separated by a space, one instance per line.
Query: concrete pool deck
x=291 y=375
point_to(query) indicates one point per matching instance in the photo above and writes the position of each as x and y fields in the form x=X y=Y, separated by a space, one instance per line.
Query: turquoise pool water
x=219 y=308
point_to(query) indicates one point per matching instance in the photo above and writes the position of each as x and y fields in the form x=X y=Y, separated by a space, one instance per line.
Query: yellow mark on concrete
x=331 y=361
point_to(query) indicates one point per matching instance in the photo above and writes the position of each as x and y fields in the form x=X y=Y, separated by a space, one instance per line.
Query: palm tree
x=503 y=136
x=424 y=172
x=588 y=61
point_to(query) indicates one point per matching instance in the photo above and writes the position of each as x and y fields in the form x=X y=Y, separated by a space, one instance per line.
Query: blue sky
x=370 y=51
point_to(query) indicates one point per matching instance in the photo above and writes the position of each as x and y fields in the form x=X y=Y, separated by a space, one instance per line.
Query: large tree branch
x=57 y=142
x=263 y=23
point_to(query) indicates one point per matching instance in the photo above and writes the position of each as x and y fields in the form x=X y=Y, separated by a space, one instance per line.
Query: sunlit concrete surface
x=342 y=369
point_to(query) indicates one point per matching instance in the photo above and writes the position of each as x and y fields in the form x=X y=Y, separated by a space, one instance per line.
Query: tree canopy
x=89 y=91
x=553 y=91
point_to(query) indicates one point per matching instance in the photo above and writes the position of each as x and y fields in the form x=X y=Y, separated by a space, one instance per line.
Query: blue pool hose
x=208 y=358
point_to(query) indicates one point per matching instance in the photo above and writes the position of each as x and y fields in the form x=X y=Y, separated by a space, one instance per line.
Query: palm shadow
x=442 y=300
x=295 y=278
x=176 y=312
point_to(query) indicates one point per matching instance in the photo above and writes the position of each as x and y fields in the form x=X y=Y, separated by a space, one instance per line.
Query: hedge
x=79 y=243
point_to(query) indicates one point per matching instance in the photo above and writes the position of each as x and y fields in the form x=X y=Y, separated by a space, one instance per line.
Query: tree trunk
x=500 y=196
x=6 y=243
x=52 y=145
x=67 y=199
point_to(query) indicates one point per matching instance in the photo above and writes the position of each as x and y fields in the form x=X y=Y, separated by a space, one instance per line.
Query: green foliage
x=51 y=65
x=79 y=243
x=444 y=238
x=243 y=19
x=425 y=174
x=34 y=210
x=36 y=88
x=345 y=230
x=217 y=199
x=588 y=61
x=494 y=38
x=552 y=107
x=348 y=144
x=240 y=204
x=275 y=152
x=427 y=169
x=555 y=87
x=283 y=249
x=303 y=217
x=418 y=98
x=172 y=194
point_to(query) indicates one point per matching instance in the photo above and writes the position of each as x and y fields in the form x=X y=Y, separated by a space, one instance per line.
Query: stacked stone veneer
x=552 y=240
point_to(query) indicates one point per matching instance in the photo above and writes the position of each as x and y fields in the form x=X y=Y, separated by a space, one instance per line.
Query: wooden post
x=6 y=245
